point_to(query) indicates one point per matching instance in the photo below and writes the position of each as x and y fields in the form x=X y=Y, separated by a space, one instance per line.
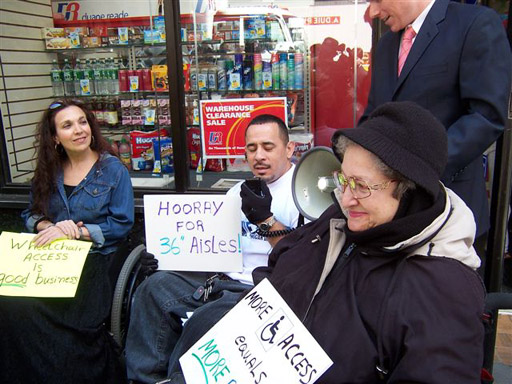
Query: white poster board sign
x=261 y=341
x=194 y=232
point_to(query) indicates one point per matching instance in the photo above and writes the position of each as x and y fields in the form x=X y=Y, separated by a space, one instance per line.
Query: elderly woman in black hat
x=385 y=279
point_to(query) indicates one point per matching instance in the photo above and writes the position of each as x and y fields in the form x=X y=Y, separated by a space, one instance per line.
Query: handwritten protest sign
x=260 y=341
x=223 y=123
x=194 y=232
x=52 y=270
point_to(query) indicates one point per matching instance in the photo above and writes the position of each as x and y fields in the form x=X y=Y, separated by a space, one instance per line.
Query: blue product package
x=162 y=148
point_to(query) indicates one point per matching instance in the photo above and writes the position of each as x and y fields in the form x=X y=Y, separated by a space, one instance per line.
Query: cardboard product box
x=82 y=31
x=98 y=31
x=58 y=43
x=50 y=33
x=136 y=35
x=76 y=40
x=91 y=41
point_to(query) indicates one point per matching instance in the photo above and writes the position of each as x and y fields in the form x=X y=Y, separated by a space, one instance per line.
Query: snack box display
x=58 y=43
x=50 y=33
x=82 y=31
x=91 y=42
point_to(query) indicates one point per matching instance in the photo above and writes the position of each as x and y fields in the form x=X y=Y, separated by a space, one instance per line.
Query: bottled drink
x=113 y=77
x=221 y=75
x=78 y=74
x=247 y=77
x=291 y=71
x=69 y=86
x=96 y=69
x=299 y=71
x=258 y=72
x=275 y=71
x=110 y=113
x=212 y=78
x=124 y=154
x=283 y=70
x=104 y=77
x=267 y=76
x=57 y=79
x=89 y=77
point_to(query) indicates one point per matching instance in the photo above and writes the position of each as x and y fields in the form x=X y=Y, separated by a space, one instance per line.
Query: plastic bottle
x=110 y=113
x=96 y=69
x=212 y=78
x=78 y=74
x=89 y=76
x=69 y=86
x=221 y=75
x=275 y=71
x=247 y=77
x=124 y=154
x=104 y=77
x=258 y=72
x=57 y=79
x=114 y=77
x=266 y=76
x=299 y=70
x=283 y=71
x=291 y=71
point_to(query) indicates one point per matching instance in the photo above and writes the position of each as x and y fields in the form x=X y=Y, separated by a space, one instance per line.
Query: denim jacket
x=103 y=201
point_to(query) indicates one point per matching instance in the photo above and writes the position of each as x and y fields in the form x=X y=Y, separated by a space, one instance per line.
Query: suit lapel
x=428 y=32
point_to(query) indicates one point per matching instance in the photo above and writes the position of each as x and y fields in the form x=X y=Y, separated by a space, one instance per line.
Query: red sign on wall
x=322 y=20
x=223 y=123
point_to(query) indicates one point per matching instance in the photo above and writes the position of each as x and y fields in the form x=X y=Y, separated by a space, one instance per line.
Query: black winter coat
x=416 y=316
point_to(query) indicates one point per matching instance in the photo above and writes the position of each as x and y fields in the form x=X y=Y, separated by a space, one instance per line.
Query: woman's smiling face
x=378 y=208
x=72 y=129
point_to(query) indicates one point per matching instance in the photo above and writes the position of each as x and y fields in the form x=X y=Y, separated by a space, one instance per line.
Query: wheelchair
x=128 y=280
x=130 y=277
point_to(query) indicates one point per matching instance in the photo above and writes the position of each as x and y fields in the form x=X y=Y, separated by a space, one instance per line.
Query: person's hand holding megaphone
x=256 y=200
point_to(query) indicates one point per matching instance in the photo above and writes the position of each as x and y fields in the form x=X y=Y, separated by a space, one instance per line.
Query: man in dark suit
x=459 y=68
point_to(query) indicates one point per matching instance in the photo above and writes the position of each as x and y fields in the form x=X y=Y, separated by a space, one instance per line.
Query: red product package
x=194 y=146
x=142 y=149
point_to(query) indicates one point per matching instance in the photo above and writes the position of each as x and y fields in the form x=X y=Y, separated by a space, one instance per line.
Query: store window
x=314 y=57
x=309 y=60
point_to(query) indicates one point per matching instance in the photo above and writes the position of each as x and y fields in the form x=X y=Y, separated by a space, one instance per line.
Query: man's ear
x=290 y=148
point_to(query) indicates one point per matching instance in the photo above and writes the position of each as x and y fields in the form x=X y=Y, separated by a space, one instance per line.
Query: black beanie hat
x=407 y=138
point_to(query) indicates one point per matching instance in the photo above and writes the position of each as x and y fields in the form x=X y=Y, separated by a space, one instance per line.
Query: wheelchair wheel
x=127 y=282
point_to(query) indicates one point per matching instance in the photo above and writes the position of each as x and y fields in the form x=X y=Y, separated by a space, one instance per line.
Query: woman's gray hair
x=403 y=184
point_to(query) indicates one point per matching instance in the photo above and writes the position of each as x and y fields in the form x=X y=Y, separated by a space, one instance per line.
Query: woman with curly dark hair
x=79 y=191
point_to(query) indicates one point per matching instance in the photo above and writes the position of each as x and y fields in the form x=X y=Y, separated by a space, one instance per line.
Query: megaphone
x=312 y=181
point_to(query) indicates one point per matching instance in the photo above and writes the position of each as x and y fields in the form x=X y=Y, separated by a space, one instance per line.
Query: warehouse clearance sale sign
x=260 y=340
x=223 y=123
x=194 y=232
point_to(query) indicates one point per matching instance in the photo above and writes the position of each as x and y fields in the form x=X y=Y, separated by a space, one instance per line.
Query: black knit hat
x=407 y=138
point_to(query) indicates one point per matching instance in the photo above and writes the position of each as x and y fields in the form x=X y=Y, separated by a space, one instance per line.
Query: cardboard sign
x=194 y=232
x=52 y=270
x=223 y=123
x=259 y=341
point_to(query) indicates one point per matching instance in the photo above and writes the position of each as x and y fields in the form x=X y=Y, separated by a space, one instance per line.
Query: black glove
x=148 y=263
x=256 y=200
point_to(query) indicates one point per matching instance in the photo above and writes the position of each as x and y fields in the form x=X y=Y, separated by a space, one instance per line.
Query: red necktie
x=405 y=47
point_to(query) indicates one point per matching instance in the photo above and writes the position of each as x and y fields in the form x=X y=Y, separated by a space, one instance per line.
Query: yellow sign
x=52 y=270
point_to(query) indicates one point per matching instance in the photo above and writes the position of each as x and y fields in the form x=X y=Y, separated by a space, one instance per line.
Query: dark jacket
x=419 y=302
x=459 y=69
